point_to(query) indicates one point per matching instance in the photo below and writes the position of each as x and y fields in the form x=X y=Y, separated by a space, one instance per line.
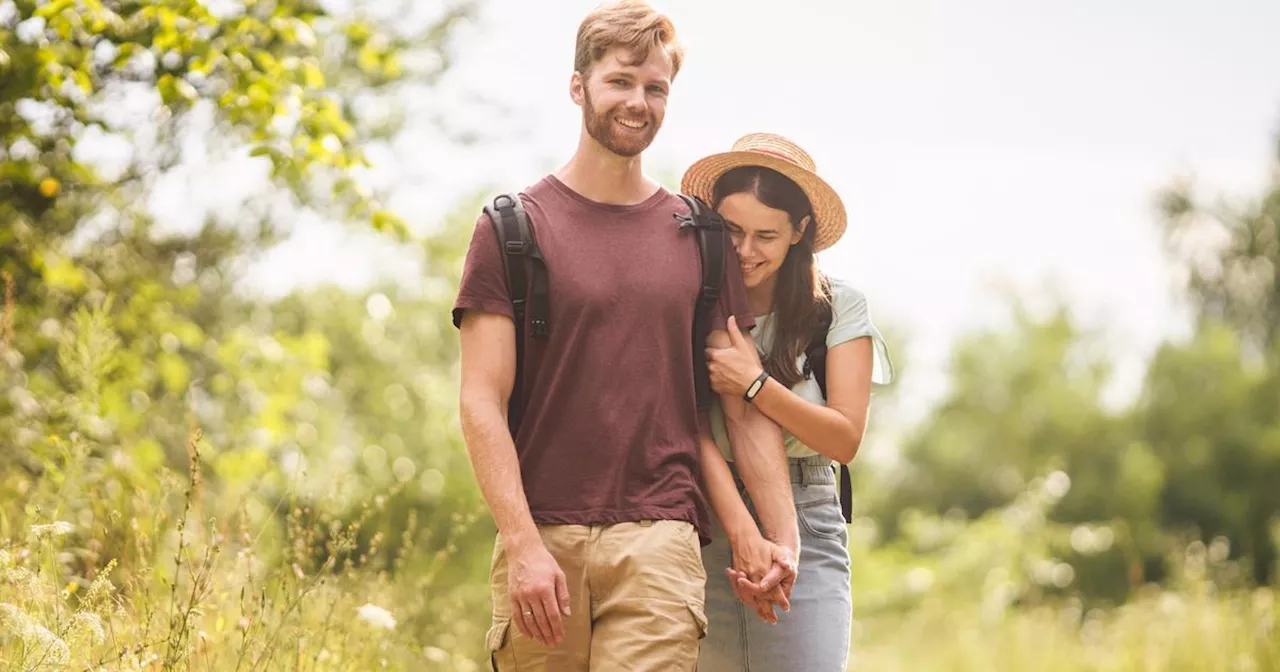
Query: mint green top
x=849 y=320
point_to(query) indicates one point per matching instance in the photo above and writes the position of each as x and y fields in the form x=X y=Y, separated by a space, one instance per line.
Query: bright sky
x=975 y=144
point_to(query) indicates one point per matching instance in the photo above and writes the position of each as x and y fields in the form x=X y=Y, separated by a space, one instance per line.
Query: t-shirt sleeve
x=851 y=320
x=733 y=295
x=484 y=281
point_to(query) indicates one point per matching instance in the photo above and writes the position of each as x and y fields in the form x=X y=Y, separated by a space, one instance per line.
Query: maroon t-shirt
x=609 y=431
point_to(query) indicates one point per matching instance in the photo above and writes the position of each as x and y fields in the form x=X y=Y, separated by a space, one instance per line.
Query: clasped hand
x=763 y=575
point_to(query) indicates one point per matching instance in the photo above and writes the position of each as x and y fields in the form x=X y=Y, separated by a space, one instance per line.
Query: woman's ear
x=798 y=232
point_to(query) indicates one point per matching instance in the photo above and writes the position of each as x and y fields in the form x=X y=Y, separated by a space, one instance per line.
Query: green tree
x=1210 y=405
x=1211 y=419
x=1229 y=254
x=160 y=340
x=1024 y=402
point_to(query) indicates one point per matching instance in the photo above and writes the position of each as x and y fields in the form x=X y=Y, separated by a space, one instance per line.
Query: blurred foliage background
x=192 y=476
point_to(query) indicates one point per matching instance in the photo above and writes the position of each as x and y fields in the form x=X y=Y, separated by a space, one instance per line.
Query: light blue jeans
x=814 y=635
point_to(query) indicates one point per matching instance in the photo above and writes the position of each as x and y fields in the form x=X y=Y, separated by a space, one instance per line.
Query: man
x=597 y=502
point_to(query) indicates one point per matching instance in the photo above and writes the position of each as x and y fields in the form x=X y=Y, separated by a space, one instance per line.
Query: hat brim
x=700 y=179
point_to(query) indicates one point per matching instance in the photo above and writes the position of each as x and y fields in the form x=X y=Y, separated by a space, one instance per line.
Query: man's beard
x=601 y=128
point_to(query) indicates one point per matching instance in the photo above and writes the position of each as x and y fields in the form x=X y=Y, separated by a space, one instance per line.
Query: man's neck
x=604 y=177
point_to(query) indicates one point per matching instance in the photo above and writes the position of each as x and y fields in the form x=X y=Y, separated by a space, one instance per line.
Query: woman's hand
x=734 y=368
x=761 y=575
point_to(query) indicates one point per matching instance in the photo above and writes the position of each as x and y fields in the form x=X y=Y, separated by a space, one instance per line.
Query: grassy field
x=79 y=591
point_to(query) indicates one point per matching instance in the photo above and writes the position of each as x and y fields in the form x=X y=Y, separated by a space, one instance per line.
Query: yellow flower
x=49 y=187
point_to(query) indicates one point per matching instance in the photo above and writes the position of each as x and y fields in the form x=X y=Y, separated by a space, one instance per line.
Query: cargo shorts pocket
x=497 y=641
x=699 y=613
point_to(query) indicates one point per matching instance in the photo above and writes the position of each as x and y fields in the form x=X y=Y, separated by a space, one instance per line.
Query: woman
x=779 y=214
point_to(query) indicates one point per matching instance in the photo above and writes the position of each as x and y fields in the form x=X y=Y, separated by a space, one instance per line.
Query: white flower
x=30 y=30
x=57 y=528
x=89 y=626
x=34 y=637
x=8 y=13
x=377 y=616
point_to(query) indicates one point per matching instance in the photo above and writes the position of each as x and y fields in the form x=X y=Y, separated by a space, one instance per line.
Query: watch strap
x=756 y=385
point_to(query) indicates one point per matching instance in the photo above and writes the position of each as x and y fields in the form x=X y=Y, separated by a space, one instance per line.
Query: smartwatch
x=756 y=385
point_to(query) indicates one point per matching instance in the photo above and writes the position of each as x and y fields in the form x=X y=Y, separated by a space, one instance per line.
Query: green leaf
x=387 y=222
x=312 y=77
x=53 y=8
x=147 y=455
x=64 y=275
x=174 y=372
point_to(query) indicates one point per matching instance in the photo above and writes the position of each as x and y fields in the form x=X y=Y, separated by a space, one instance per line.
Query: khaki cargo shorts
x=636 y=594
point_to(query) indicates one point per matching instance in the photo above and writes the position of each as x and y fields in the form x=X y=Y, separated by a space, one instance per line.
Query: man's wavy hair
x=631 y=24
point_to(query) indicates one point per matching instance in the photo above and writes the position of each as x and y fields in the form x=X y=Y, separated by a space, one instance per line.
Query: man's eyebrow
x=630 y=72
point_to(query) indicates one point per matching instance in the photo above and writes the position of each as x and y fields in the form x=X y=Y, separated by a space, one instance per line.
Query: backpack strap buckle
x=707 y=220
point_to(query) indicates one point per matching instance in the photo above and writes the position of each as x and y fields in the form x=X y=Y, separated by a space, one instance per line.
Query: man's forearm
x=722 y=492
x=762 y=464
x=493 y=457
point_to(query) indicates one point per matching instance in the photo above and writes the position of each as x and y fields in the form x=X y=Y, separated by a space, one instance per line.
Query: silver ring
x=528 y=612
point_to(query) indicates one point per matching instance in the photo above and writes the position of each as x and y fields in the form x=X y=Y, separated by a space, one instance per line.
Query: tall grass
x=216 y=599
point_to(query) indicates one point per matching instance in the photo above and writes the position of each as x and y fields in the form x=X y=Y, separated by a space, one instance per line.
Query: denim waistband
x=811 y=470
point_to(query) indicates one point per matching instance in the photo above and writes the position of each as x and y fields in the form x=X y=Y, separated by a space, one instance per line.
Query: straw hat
x=784 y=156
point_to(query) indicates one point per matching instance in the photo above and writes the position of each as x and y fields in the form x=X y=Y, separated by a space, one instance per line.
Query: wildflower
x=49 y=187
x=88 y=626
x=55 y=529
x=377 y=616
x=23 y=581
x=34 y=637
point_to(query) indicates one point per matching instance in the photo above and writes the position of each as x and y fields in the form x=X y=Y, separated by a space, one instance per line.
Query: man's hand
x=762 y=576
x=539 y=594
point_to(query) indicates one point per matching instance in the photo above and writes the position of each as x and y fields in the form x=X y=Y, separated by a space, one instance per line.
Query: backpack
x=526 y=273
x=815 y=364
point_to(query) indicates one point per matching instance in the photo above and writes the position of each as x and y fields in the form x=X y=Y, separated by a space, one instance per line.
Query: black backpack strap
x=711 y=249
x=846 y=493
x=526 y=273
x=815 y=363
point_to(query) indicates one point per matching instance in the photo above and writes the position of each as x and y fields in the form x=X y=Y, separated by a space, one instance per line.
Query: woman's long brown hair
x=798 y=298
